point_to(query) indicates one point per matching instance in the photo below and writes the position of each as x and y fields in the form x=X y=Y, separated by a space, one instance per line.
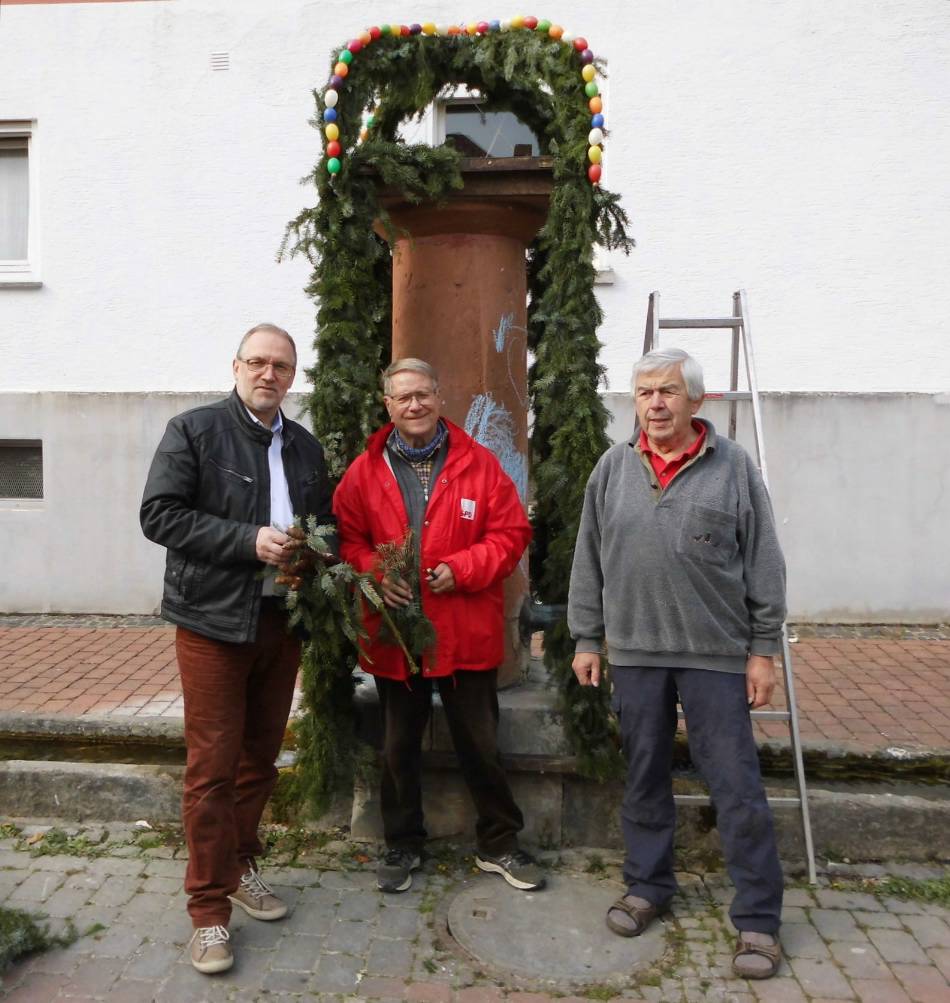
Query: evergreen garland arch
x=532 y=71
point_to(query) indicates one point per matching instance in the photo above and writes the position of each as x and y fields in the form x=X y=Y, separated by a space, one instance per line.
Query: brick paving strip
x=864 y=690
x=345 y=941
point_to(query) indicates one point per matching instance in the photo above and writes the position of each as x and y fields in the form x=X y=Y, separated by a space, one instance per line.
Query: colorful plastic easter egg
x=594 y=154
x=580 y=44
x=333 y=165
x=594 y=172
x=330 y=98
x=333 y=148
x=588 y=73
x=332 y=131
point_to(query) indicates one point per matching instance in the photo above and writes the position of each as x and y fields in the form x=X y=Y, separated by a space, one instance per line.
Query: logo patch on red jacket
x=468 y=508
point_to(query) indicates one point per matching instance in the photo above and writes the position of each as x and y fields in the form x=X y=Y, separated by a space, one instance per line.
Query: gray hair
x=269 y=329
x=666 y=358
x=407 y=365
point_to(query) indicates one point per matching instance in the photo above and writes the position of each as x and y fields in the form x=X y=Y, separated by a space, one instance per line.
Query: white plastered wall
x=795 y=149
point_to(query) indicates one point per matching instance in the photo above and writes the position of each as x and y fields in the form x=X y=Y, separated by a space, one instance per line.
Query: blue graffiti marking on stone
x=500 y=333
x=491 y=424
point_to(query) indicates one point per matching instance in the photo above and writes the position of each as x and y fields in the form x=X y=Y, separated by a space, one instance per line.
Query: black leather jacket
x=206 y=497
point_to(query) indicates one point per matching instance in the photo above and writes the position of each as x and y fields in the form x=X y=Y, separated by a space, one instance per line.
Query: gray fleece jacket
x=690 y=576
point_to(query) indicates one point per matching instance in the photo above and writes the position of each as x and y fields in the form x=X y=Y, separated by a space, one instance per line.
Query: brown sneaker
x=210 y=950
x=256 y=899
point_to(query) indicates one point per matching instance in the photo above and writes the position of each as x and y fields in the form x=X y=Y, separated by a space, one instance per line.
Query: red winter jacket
x=474 y=522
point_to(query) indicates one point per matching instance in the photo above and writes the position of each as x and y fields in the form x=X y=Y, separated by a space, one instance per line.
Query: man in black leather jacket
x=222 y=491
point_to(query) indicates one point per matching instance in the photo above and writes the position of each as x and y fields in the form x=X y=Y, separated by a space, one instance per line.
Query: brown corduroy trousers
x=237 y=701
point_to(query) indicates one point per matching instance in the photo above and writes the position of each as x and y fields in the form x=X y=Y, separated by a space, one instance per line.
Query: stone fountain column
x=460 y=303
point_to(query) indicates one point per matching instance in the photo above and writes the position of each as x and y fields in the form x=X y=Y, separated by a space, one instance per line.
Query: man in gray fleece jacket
x=678 y=573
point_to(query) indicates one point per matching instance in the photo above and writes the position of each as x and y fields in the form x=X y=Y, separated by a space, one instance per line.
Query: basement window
x=21 y=468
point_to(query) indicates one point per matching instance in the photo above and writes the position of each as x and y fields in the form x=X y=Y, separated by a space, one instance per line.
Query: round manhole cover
x=557 y=934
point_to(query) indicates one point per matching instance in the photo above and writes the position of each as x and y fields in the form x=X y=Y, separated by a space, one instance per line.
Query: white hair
x=666 y=358
x=408 y=365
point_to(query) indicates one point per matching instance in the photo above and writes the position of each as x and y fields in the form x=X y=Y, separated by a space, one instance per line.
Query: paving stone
x=166 y=868
x=928 y=931
x=877 y=919
x=800 y=940
x=111 y=866
x=260 y=936
x=901 y=907
x=398 y=923
x=350 y=937
x=830 y=898
x=37 y=987
x=777 y=990
x=837 y=924
x=59 y=863
x=65 y=902
x=160 y=886
x=117 y=891
x=923 y=982
x=940 y=956
x=801 y=897
x=132 y=991
x=151 y=961
x=94 y=976
x=820 y=978
x=336 y=973
x=293 y=877
x=117 y=942
x=56 y=961
x=389 y=957
x=281 y=981
x=313 y=920
x=298 y=953
x=389 y=989
x=859 y=961
x=792 y=914
x=879 y=991
x=359 y=906
x=433 y=992
x=896 y=945
x=37 y=887
x=185 y=985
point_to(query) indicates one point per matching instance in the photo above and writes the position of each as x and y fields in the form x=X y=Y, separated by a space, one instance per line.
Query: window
x=475 y=132
x=18 y=215
x=21 y=469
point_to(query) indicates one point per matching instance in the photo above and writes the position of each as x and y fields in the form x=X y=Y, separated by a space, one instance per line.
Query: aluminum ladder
x=740 y=327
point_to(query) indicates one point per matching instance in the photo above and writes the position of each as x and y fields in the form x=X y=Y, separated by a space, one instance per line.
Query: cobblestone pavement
x=345 y=941
x=871 y=693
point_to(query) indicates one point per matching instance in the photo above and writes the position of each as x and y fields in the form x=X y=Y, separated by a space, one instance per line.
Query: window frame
x=24 y=273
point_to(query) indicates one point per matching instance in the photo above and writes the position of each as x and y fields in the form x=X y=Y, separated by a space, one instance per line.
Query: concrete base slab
x=556 y=935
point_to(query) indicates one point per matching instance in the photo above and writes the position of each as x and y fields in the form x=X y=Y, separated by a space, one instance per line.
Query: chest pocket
x=708 y=535
x=232 y=491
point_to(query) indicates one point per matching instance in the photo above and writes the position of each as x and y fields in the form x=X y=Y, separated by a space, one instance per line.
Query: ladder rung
x=782 y=802
x=685 y=323
x=758 y=715
x=729 y=395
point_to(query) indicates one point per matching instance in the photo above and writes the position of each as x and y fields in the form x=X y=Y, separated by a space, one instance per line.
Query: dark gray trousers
x=722 y=748
x=470 y=701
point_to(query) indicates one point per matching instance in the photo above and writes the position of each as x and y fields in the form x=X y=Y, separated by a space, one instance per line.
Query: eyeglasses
x=281 y=369
x=424 y=398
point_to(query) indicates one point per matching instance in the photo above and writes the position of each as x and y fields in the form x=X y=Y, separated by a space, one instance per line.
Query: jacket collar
x=710 y=442
x=251 y=429
x=460 y=442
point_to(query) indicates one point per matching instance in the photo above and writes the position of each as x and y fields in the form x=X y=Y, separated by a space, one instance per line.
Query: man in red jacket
x=422 y=473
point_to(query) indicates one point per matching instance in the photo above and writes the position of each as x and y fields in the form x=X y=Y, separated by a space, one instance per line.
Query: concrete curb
x=858 y=826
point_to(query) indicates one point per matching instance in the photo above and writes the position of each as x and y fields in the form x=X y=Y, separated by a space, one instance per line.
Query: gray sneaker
x=394 y=871
x=518 y=868
x=210 y=950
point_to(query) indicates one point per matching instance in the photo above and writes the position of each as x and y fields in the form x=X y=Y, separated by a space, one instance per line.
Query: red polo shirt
x=666 y=470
